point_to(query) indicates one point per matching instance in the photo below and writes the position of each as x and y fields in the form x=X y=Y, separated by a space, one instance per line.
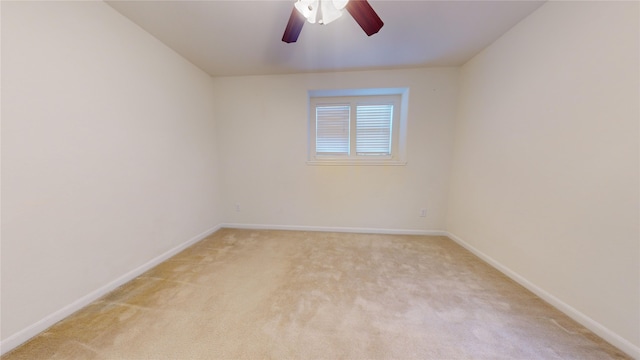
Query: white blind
x=373 y=129
x=332 y=129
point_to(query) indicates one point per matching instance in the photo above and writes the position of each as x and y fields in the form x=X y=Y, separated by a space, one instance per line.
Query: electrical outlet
x=423 y=212
x=238 y=207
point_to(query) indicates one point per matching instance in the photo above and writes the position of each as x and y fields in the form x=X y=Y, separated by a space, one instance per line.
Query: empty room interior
x=173 y=184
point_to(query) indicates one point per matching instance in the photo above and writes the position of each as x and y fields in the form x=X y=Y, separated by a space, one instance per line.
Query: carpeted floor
x=243 y=294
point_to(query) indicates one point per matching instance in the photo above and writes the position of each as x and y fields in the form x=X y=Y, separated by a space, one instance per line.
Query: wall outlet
x=423 y=212
x=237 y=207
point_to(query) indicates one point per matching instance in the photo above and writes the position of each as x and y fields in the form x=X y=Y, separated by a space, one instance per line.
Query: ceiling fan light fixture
x=321 y=11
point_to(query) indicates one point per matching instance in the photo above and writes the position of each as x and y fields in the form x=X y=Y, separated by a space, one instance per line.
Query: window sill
x=356 y=163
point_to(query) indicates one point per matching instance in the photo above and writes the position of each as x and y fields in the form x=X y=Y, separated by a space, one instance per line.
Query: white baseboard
x=22 y=336
x=336 y=229
x=608 y=335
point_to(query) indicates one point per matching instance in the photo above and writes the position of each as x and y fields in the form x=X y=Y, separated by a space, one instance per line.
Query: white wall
x=262 y=123
x=545 y=174
x=107 y=155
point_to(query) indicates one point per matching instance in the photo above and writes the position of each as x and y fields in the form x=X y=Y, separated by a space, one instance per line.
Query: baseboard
x=24 y=335
x=336 y=229
x=608 y=335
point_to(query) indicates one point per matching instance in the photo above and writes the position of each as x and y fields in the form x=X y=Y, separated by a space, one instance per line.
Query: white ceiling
x=237 y=37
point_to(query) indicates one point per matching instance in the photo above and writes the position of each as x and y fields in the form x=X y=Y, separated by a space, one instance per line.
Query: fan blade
x=294 y=26
x=365 y=16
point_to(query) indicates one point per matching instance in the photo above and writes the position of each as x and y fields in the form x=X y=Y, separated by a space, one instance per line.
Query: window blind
x=373 y=129
x=332 y=129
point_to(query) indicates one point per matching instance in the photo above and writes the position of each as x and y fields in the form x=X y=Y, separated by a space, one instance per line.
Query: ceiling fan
x=325 y=11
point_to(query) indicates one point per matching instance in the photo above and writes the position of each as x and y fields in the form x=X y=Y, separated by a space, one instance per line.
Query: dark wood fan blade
x=294 y=26
x=365 y=16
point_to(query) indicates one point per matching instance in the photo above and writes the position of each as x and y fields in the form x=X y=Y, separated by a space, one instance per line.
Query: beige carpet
x=242 y=294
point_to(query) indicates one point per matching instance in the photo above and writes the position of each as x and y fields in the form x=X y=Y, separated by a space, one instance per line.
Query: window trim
x=399 y=97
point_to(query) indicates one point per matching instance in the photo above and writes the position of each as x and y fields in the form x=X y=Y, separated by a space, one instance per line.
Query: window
x=357 y=127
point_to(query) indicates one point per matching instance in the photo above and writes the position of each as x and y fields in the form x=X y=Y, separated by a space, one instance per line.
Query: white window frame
x=398 y=97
